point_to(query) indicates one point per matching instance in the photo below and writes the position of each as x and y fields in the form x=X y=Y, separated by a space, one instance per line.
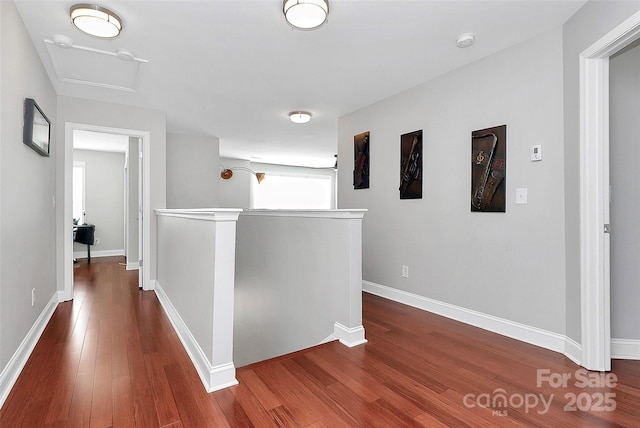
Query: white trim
x=67 y=227
x=625 y=349
x=594 y=192
x=213 y=378
x=572 y=350
x=17 y=362
x=207 y=214
x=349 y=336
x=533 y=335
x=133 y=266
x=341 y=213
x=100 y=253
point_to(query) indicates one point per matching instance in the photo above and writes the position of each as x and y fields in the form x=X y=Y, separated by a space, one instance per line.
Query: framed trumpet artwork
x=488 y=169
x=411 y=165
x=361 y=161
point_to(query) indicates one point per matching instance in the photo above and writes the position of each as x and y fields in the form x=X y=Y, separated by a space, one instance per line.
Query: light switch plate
x=521 y=196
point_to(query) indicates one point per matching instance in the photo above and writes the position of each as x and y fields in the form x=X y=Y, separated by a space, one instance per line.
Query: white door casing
x=67 y=292
x=594 y=192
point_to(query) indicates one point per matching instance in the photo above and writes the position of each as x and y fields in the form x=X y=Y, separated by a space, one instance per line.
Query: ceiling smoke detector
x=465 y=40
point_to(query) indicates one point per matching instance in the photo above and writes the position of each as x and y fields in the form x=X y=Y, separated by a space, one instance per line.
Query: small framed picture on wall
x=488 y=169
x=411 y=165
x=361 y=161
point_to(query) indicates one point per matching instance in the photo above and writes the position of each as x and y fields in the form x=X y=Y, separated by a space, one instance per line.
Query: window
x=78 y=192
x=293 y=191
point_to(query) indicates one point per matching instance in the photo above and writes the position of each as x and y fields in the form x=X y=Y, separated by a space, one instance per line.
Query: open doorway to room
x=101 y=197
x=595 y=192
x=130 y=204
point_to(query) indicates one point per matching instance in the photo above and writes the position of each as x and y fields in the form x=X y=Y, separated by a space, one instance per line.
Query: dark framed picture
x=37 y=128
x=411 y=165
x=361 y=161
x=488 y=169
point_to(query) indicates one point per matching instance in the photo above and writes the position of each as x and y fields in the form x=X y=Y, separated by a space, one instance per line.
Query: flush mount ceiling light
x=96 y=20
x=465 y=40
x=306 y=14
x=300 y=116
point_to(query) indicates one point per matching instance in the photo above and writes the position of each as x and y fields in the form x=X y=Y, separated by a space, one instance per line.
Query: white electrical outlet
x=33 y=297
x=405 y=271
x=97 y=241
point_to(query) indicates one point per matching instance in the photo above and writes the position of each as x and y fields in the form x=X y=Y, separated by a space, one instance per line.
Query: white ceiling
x=235 y=69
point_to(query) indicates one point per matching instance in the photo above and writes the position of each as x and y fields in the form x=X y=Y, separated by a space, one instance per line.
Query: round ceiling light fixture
x=96 y=20
x=465 y=40
x=306 y=14
x=300 y=116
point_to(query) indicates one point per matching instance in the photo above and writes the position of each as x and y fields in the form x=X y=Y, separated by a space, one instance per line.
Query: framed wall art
x=361 y=161
x=488 y=169
x=36 y=132
x=411 y=165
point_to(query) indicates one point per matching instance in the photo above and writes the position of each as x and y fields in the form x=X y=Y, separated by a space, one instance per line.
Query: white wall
x=589 y=24
x=624 y=155
x=297 y=274
x=235 y=192
x=27 y=188
x=104 y=200
x=192 y=171
x=508 y=265
x=83 y=111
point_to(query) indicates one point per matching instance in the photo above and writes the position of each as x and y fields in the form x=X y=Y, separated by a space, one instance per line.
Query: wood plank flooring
x=110 y=358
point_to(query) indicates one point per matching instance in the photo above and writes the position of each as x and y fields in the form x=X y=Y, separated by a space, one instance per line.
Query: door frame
x=67 y=196
x=594 y=192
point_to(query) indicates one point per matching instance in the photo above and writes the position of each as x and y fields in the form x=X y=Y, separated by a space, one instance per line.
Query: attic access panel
x=94 y=67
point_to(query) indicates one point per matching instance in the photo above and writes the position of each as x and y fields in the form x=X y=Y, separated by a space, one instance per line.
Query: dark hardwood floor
x=111 y=358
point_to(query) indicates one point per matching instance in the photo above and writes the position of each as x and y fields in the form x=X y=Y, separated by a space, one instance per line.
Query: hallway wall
x=507 y=265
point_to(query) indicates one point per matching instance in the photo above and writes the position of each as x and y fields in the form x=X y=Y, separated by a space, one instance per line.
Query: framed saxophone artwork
x=488 y=169
x=411 y=165
x=361 y=161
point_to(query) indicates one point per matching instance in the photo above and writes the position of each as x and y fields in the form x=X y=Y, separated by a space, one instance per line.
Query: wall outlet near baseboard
x=405 y=271
x=97 y=241
x=33 y=297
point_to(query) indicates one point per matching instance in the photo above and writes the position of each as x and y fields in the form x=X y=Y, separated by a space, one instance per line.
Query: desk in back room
x=85 y=234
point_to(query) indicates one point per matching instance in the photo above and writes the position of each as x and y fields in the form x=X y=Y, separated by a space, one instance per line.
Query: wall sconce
x=227 y=173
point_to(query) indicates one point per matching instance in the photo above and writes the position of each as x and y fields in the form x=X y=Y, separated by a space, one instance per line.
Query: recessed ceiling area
x=236 y=69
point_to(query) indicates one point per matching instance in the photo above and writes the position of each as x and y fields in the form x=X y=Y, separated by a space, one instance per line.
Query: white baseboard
x=12 y=370
x=348 y=336
x=533 y=335
x=625 y=349
x=62 y=296
x=152 y=284
x=213 y=378
x=133 y=265
x=572 y=350
x=98 y=253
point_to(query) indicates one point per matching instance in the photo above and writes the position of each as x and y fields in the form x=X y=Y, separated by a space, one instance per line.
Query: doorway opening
x=143 y=212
